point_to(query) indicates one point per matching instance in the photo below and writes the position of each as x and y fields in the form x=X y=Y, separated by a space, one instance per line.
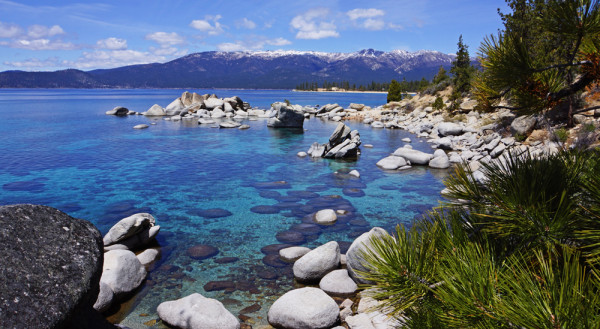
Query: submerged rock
x=202 y=251
x=292 y=254
x=325 y=216
x=197 y=312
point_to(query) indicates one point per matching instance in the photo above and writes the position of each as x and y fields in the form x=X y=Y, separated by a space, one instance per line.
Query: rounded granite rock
x=338 y=283
x=49 y=270
x=306 y=308
x=197 y=312
x=317 y=262
x=122 y=272
x=354 y=256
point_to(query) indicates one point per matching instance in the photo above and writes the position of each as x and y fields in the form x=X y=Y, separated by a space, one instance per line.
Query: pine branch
x=587 y=109
x=557 y=66
x=576 y=86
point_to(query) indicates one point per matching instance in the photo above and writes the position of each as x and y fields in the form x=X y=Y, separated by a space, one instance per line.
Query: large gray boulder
x=122 y=272
x=304 y=308
x=347 y=148
x=155 y=110
x=213 y=103
x=317 y=262
x=50 y=269
x=338 y=283
x=523 y=125
x=137 y=225
x=440 y=160
x=119 y=111
x=197 y=312
x=343 y=143
x=354 y=256
x=316 y=150
x=286 y=117
x=392 y=162
x=449 y=129
x=414 y=156
x=340 y=133
x=175 y=107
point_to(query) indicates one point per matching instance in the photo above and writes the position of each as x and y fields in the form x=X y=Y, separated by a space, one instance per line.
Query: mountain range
x=259 y=70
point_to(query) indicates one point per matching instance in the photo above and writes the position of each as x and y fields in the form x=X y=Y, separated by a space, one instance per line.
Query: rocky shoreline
x=329 y=294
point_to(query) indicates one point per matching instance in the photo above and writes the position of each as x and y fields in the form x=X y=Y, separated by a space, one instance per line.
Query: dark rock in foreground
x=49 y=270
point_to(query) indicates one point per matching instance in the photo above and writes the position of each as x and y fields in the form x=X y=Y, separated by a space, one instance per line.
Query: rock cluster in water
x=123 y=272
x=311 y=307
x=282 y=115
x=343 y=143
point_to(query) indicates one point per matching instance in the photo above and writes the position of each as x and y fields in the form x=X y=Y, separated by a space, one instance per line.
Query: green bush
x=438 y=104
x=561 y=135
x=521 y=251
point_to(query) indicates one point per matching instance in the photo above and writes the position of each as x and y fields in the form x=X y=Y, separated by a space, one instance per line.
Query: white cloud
x=39 y=44
x=166 y=39
x=254 y=43
x=10 y=30
x=113 y=58
x=373 y=24
x=168 y=51
x=311 y=25
x=245 y=23
x=205 y=25
x=369 y=19
x=355 y=14
x=32 y=63
x=231 y=46
x=278 y=42
x=40 y=31
x=112 y=43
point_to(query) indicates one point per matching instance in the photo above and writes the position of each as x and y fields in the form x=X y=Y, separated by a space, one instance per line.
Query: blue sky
x=54 y=35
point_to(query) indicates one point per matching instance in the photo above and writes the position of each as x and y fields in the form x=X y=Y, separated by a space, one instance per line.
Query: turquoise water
x=61 y=150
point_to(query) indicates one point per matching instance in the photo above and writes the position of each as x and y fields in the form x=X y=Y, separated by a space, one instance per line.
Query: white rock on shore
x=304 y=308
x=197 y=312
x=317 y=262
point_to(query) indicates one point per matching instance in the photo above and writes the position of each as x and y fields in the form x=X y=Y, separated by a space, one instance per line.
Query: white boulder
x=317 y=262
x=197 y=312
x=306 y=308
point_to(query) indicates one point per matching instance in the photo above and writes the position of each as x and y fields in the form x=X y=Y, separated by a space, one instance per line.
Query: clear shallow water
x=61 y=150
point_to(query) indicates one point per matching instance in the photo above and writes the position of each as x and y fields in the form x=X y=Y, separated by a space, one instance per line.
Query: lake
x=60 y=149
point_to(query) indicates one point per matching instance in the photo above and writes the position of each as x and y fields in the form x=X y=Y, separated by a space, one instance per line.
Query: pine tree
x=394 y=92
x=440 y=76
x=462 y=69
x=548 y=52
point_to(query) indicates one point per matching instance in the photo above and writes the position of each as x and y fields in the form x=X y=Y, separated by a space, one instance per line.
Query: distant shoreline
x=340 y=91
